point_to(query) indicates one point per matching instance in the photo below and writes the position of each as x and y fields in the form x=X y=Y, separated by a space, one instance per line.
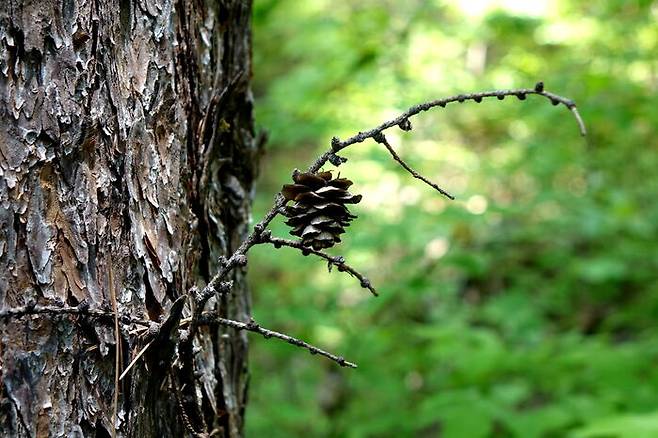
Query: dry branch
x=337 y=261
x=218 y=283
x=251 y=326
x=238 y=258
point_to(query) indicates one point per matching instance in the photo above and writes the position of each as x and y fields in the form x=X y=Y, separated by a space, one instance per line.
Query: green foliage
x=526 y=308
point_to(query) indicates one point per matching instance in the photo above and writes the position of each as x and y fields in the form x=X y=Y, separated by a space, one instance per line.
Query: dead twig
x=239 y=258
x=337 y=261
x=252 y=326
x=380 y=138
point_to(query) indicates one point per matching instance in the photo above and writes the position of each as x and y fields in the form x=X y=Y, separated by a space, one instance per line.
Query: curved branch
x=238 y=258
x=403 y=119
x=520 y=93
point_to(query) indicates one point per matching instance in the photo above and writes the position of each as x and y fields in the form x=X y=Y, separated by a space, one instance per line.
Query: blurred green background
x=526 y=308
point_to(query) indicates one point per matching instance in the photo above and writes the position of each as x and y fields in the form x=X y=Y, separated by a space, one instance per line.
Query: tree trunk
x=127 y=161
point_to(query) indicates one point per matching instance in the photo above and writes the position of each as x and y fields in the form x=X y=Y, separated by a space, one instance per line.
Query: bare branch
x=380 y=138
x=402 y=121
x=205 y=319
x=251 y=326
x=238 y=258
x=337 y=261
x=520 y=93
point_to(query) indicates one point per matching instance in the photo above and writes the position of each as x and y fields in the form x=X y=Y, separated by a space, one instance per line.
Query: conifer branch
x=206 y=318
x=219 y=284
x=238 y=258
x=380 y=138
x=403 y=120
x=338 y=261
x=252 y=326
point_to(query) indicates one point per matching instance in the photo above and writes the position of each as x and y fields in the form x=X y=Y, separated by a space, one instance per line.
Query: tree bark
x=127 y=161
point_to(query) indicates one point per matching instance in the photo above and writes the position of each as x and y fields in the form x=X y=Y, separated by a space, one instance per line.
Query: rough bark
x=119 y=176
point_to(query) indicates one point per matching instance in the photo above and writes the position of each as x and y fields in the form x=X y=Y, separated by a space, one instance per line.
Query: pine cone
x=319 y=215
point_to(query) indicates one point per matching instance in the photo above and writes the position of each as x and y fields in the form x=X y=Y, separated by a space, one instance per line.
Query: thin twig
x=210 y=319
x=337 y=261
x=204 y=319
x=521 y=93
x=238 y=258
x=380 y=138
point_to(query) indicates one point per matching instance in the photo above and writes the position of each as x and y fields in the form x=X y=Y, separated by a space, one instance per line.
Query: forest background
x=525 y=308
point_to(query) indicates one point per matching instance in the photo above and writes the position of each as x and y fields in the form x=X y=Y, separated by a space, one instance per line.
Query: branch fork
x=220 y=285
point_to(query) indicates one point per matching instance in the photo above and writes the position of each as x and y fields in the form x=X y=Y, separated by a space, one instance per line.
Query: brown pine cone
x=319 y=215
